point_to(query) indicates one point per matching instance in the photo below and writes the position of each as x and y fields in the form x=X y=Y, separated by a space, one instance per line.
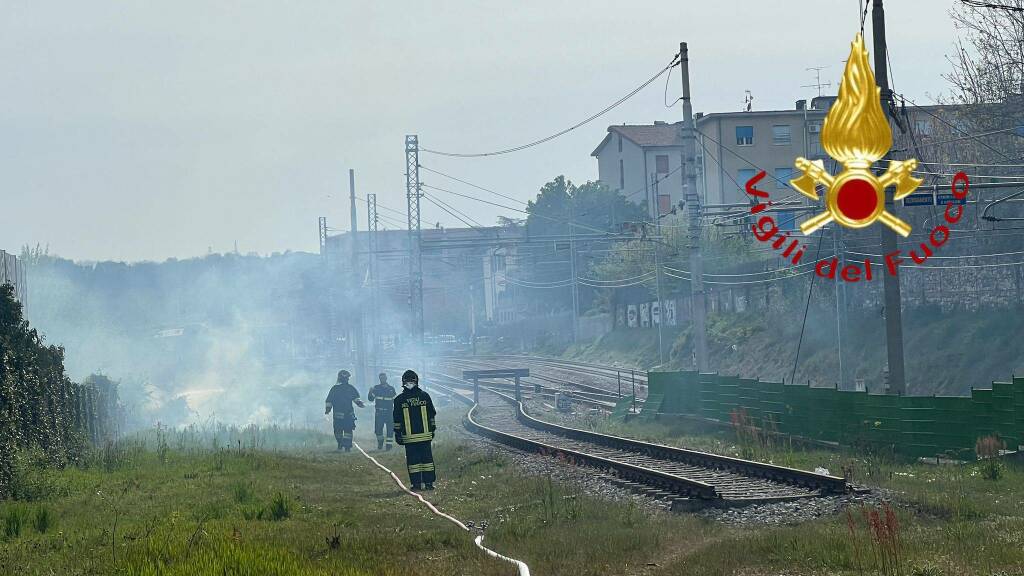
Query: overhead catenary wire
x=438 y=203
x=559 y=220
x=585 y=121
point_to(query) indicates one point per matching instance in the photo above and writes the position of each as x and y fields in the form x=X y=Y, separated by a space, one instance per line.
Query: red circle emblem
x=857 y=199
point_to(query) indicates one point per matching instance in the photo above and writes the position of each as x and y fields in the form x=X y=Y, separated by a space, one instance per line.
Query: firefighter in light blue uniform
x=383 y=397
x=414 y=428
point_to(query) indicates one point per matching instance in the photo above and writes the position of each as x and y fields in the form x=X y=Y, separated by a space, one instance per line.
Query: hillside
x=946 y=353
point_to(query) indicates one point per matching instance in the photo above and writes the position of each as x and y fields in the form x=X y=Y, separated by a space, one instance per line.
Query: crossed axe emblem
x=855 y=198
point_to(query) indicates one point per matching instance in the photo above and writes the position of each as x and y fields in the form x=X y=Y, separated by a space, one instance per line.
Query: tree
x=993 y=71
x=987 y=78
x=595 y=209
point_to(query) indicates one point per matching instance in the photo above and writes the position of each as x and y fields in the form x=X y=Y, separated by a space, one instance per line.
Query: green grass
x=201 y=508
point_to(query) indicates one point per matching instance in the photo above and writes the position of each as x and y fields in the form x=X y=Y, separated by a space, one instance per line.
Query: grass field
x=271 y=503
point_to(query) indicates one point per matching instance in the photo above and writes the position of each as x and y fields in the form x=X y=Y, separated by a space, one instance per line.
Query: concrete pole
x=891 y=283
x=693 y=210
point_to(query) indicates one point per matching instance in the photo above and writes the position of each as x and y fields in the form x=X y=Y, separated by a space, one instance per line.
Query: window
x=661 y=163
x=664 y=204
x=814 y=146
x=923 y=127
x=786 y=220
x=781 y=134
x=622 y=176
x=742 y=177
x=744 y=135
x=782 y=177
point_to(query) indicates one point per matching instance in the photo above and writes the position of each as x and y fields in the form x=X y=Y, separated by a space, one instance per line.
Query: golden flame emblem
x=857 y=134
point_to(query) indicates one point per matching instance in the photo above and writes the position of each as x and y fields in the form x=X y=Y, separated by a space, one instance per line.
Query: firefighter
x=340 y=399
x=414 y=429
x=383 y=397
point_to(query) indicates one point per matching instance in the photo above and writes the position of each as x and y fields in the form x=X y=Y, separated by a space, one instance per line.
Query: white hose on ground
x=524 y=570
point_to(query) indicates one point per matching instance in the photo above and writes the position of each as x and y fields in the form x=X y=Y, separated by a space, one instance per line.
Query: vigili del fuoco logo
x=856 y=134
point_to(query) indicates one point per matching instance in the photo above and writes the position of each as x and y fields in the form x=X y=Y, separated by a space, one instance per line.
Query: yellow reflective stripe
x=426 y=421
x=398 y=426
x=417 y=437
x=422 y=467
x=408 y=423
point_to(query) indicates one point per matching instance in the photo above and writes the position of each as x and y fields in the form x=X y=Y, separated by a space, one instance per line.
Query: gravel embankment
x=592 y=483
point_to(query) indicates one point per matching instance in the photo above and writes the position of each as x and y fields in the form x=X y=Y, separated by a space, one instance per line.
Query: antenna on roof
x=817 y=79
x=748 y=100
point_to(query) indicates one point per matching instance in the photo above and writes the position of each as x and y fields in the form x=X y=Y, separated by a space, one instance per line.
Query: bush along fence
x=41 y=409
x=914 y=426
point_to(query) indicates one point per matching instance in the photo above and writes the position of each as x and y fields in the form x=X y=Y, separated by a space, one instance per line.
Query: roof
x=645 y=135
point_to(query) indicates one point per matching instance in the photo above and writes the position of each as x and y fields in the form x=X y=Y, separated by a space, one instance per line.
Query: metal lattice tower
x=371 y=268
x=413 y=194
x=323 y=237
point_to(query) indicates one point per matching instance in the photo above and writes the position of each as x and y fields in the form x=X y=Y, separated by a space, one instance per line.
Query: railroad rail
x=542 y=377
x=581 y=393
x=687 y=478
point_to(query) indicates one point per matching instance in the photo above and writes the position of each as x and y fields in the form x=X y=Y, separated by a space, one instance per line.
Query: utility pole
x=355 y=301
x=371 y=267
x=657 y=269
x=893 y=301
x=840 y=250
x=325 y=261
x=413 y=194
x=693 y=210
x=572 y=267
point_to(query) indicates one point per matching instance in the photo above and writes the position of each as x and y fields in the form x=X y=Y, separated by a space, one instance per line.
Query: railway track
x=547 y=375
x=685 y=478
x=538 y=380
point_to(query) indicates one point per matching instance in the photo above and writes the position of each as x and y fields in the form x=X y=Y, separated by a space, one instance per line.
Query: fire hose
x=524 y=570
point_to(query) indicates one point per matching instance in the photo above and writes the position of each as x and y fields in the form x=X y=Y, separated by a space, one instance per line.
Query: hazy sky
x=145 y=130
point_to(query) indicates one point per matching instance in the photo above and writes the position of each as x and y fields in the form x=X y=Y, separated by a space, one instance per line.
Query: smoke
x=228 y=338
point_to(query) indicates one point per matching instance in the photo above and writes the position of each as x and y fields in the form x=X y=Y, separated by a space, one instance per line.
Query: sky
x=148 y=130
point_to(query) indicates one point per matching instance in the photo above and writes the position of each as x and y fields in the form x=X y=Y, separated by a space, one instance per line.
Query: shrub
x=41 y=521
x=242 y=492
x=14 y=519
x=279 y=508
x=988 y=449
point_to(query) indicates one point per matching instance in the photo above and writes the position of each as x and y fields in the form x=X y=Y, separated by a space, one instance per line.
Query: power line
x=953 y=126
x=440 y=204
x=807 y=307
x=478 y=187
x=959 y=139
x=560 y=221
x=978 y=4
x=675 y=60
x=948 y=257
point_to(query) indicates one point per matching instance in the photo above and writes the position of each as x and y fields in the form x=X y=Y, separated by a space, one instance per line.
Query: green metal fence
x=910 y=425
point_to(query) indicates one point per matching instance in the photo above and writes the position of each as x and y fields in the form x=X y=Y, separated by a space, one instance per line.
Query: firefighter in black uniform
x=383 y=397
x=414 y=429
x=340 y=399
